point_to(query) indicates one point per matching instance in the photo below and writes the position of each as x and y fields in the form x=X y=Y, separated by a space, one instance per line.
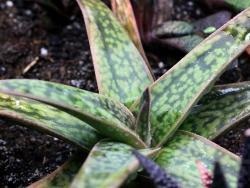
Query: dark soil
x=27 y=32
x=27 y=155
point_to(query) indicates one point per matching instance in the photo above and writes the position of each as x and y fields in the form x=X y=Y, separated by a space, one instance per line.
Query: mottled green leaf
x=238 y=4
x=120 y=69
x=219 y=179
x=124 y=13
x=219 y=111
x=61 y=177
x=183 y=43
x=185 y=36
x=180 y=155
x=174 y=29
x=48 y=119
x=108 y=165
x=143 y=121
x=109 y=117
x=214 y=21
x=157 y=175
x=70 y=97
x=235 y=4
x=180 y=88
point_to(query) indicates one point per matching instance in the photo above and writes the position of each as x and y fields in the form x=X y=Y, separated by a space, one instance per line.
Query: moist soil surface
x=57 y=45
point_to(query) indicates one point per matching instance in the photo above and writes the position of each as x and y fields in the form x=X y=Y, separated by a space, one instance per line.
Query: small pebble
x=160 y=65
x=9 y=4
x=247 y=133
x=28 y=12
x=75 y=83
x=43 y=52
x=81 y=62
x=69 y=27
x=198 y=12
x=190 y=3
x=2 y=142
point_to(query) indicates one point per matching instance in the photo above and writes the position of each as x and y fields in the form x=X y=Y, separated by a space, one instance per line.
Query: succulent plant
x=157 y=28
x=133 y=111
x=159 y=176
x=162 y=179
x=234 y=4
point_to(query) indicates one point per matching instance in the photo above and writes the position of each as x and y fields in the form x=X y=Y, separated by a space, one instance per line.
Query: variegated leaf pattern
x=180 y=88
x=61 y=177
x=70 y=97
x=238 y=4
x=120 y=69
x=143 y=121
x=219 y=111
x=174 y=29
x=178 y=34
x=48 y=119
x=123 y=11
x=108 y=165
x=107 y=116
x=179 y=157
x=184 y=43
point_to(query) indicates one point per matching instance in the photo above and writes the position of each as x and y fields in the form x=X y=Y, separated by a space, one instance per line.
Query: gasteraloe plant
x=162 y=179
x=132 y=111
x=157 y=27
x=234 y=4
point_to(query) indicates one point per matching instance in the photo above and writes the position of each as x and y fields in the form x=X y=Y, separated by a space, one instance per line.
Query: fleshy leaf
x=159 y=176
x=178 y=34
x=96 y=110
x=181 y=87
x=174 y=29
x=186 y=36
x=215 y=21
x=108 y=165
x=219 y=180
x=238 y=4
x=219 y=111
x=179 y=158
x=48 y=119
x=183 y=43
x=69 y=97
x=235 y=4
x=123 y=11
x=143 y=121
x=120 y=69
x=61 y=177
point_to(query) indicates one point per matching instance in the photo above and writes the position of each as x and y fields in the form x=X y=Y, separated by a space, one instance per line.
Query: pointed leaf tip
x=219 y=180
x=160 y=178
x=111 y=49
x=143 y=118
x=179 y=158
